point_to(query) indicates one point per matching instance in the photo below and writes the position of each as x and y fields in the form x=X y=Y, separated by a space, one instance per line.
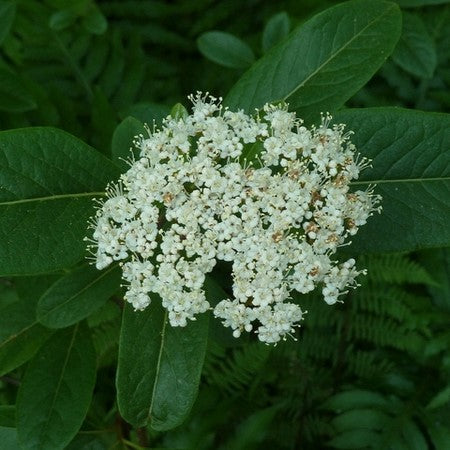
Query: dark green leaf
x=77 y=295
x=355 y=439
x=7 y=415
x=147 y=112
x=418 y=3
x=225 y=49
x=47 y=181
x=159 y=367
x=122 y=140
x=62 y=19
x=20 y=334
x=411 y=156
x=56 y=391
x=14 y=96
x=7 y=14
x=95 y=22
x=356 y=398
x=324 y=61
x=277 y=29
x=415 y=51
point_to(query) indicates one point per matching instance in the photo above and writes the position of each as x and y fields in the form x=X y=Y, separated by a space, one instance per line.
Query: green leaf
x=225 y=49
x=361 y=418
x=77 y=295
x=276 y=29
x=47 y=181
x=7 y=14
x=21 y=335
x=95 y=22
x=56 y=391
x=355 y=439
x=440 y=399
x=62 y=19
x=159 y=367
x=14 y=96
x=122 y=140
x=324 y=61
x=7 y=415
x=8 y=438
x=356 y=398
x=179 y=112
x=415 y=51
x=419 y=3
x=411 y=154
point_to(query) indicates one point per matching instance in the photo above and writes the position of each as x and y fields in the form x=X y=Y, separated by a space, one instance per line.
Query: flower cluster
x=261 y=192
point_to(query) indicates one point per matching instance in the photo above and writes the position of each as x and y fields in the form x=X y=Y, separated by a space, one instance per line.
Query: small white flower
x=192 y=197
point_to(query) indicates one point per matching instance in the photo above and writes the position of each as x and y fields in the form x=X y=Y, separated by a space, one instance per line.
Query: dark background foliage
x=373 y=371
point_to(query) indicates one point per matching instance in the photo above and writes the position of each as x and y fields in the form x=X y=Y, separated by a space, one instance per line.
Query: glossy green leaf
x=411 y=168
x=122 y=146
x=159 y=367
x=77 y=295
x=225 y=49
x=7 y=14
x=324 y=61
x=47 y=181
x=415 y=51
x=14 y=95
x=56 y=390
x=276 y=29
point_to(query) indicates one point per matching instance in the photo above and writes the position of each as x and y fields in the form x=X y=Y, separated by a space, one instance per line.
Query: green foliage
x=364 y=35
x=371 y=372
x=155 y=359
x=414 y=191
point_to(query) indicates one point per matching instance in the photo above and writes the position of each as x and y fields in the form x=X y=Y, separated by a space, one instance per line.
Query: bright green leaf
x=415 y=51
x=56 y=390
x=7 y=14
x=159 y=367
x=47 y=181
x=324 y=61
x=411 y=155
x=225 y=49
x=179 y=112
x=276 y=29
x=76 y=295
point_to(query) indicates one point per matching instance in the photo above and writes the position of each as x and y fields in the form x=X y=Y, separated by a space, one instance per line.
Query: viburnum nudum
x=261 y=192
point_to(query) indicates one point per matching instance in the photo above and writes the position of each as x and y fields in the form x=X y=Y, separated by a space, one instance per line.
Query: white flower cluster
x=263 y=193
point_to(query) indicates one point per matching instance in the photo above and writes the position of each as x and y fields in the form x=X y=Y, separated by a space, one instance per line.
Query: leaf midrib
x=158 y=365
x=53 y=197
x=400 y=180
x=78 y=293
x=334 y=55
x=63 y=369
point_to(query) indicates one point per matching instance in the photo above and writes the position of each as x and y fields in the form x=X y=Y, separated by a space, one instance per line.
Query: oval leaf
x=159 y=367
x=47 y=181
x=277 y=29
x=324 y=61
x=415 y=51
x=225 y=49
x=77 y=295
x=411 y=168
x=56 y=391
